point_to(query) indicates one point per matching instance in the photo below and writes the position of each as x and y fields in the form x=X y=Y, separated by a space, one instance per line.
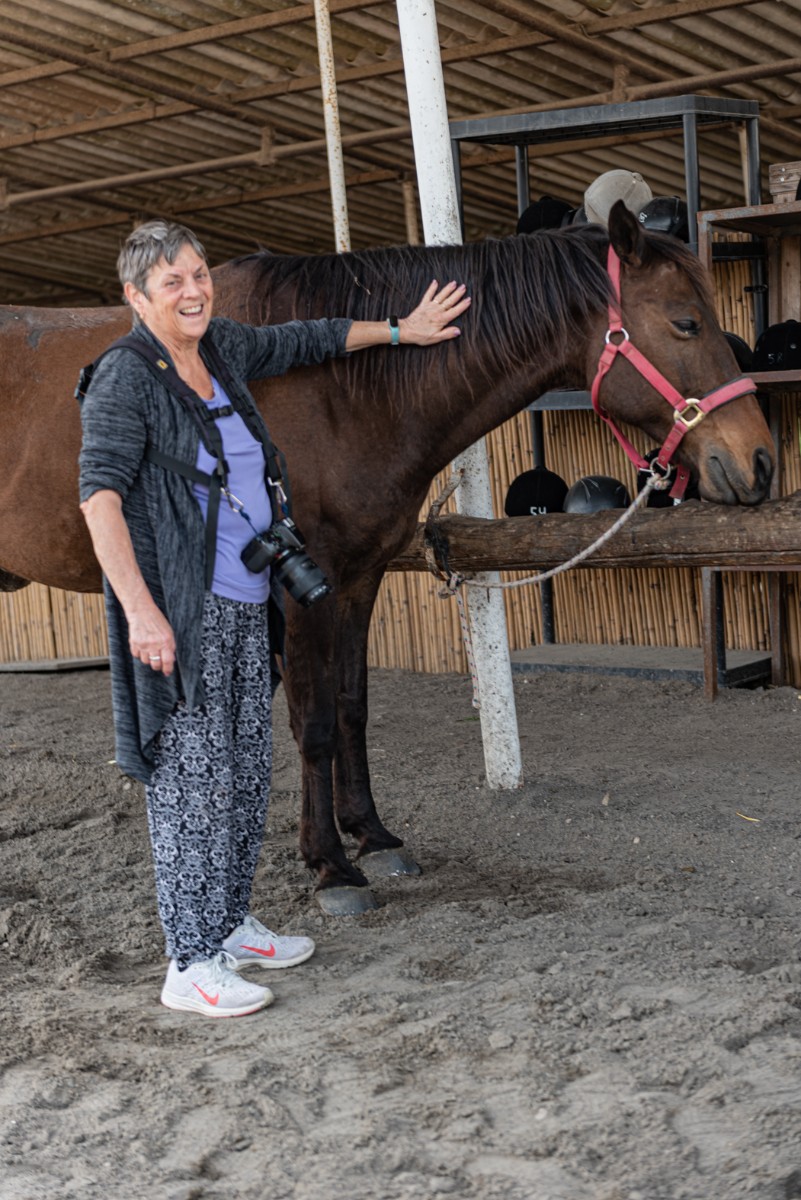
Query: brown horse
x=364 y=437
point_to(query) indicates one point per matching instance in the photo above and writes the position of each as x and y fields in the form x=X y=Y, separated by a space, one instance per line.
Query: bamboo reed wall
x=413 y=628
x=38 y=624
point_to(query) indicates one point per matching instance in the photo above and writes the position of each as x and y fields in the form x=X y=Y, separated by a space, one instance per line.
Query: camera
x=282 y=548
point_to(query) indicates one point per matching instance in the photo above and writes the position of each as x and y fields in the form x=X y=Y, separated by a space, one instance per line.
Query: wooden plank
x=691 y=535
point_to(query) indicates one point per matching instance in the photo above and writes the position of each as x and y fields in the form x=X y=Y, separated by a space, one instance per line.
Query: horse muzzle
x=721 y=477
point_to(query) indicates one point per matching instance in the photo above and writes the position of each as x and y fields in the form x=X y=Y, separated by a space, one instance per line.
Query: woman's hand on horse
x=426 y=325
x=430 y=322
x=151 y=640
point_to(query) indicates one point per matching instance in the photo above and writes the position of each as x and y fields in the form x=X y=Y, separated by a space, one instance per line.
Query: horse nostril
x=763 y=468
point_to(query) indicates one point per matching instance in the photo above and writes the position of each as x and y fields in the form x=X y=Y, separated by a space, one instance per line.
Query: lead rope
x=467 y=638
x=455 y=581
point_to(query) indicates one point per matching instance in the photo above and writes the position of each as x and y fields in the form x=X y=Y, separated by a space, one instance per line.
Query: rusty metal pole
x=436 y=185
x=410 y=212
x=333 y=137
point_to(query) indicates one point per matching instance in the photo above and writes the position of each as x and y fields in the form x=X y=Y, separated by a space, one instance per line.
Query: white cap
x=600 y=196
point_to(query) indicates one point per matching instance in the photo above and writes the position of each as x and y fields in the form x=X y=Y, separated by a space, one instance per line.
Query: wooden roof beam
x=305 y=12
x=136 y=78
x=48 y=277
x=151 y=112
x=544 y=33
x=390 y=133
x=182 y=39
x=481 y=158
x=229 y=200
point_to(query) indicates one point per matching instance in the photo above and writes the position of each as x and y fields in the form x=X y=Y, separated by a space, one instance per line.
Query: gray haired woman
x=188 y=631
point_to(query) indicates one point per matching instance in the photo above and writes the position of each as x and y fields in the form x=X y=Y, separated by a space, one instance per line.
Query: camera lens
x=281 y=547
x=301 y=577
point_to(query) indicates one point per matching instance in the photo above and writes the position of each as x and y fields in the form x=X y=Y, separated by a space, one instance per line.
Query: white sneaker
x=213 y=988
x=251 y=944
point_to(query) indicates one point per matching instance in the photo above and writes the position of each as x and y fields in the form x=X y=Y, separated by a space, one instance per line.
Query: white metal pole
x=336 y=168
x=436 y=185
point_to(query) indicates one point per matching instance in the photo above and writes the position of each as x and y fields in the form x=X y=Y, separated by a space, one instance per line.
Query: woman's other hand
x=151 y=639
x=150 y=636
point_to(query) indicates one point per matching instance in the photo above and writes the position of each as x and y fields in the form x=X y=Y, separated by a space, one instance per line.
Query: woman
x=187 y=620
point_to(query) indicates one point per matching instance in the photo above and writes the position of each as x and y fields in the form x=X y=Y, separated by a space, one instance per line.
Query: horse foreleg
x=311 y=693
x=380 y=851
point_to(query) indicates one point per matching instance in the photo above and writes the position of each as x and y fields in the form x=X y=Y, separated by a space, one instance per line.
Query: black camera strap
x=205 y=420
x=245 y=405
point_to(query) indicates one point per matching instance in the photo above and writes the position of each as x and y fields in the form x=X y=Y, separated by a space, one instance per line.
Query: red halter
x=688 y=414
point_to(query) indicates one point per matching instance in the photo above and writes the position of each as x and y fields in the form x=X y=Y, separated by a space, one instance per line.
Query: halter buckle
x=693 y=421
x=624 y=336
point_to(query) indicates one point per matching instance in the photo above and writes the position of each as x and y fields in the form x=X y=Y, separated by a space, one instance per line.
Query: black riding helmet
x=742 y=351
x=666 y=214
x=594 y=493
x=546 y=213
x=535 y=493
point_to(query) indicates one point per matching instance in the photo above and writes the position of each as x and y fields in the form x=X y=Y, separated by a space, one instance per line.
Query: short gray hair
x=147 y=245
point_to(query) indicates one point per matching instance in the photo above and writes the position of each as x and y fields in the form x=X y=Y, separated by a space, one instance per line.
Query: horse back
x=41 y=353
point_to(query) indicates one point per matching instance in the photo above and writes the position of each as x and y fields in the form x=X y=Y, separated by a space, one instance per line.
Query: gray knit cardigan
x=125 y=409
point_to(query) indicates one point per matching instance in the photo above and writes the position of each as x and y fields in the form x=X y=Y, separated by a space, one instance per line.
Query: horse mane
x=539 y=289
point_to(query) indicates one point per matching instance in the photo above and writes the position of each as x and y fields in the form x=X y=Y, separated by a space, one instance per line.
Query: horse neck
x=443 y=424
x=537 y=304
x=458 y=392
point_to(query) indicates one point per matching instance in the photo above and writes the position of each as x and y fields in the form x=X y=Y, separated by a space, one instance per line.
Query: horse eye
x=688 y=326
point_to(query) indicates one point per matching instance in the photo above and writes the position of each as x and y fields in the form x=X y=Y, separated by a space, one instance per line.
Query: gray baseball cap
x=628 y=186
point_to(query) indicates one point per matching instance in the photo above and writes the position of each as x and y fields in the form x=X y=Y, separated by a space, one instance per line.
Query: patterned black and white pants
x=207 y=797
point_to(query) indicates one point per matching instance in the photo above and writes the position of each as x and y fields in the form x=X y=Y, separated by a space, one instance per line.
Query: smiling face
x=177 y=304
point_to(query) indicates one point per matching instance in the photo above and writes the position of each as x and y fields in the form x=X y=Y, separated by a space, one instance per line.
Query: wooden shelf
x=761 y=220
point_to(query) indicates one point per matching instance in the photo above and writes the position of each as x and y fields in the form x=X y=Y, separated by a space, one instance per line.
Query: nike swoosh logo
x=258 y=950
x=212 y=1000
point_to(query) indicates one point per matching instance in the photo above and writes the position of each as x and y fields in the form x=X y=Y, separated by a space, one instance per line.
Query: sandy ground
x=593 y=992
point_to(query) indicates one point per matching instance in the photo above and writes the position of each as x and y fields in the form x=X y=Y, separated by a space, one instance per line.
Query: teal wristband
x=394 y=330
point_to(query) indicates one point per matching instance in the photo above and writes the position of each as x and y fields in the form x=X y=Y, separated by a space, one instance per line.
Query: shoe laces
x=221 y=969
x=250 y=922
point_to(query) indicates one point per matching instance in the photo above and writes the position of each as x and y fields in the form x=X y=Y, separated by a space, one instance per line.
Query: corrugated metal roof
x=211 y=111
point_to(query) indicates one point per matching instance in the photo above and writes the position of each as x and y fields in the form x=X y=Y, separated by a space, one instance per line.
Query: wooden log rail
x=693 y=534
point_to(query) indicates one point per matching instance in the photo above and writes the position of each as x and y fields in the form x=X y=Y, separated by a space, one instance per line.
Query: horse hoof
x=381 y=864
x=346 y=901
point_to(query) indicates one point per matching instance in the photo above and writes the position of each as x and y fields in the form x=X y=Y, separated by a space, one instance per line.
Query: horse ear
x=626 y=235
